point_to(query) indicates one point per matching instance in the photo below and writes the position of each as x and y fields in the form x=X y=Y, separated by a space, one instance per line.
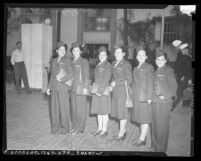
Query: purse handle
x=127 y=95
x=80 y=78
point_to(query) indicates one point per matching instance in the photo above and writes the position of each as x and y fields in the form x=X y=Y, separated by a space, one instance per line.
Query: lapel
x=119 y=64
x=142 y=67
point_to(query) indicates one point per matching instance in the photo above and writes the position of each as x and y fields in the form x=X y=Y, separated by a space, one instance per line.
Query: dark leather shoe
x=114 y=138
x=151 y=149
x=122 y=138
x=72 y=131
x=97 y=132
x=78 y=132
x=104 y=134
x=140 y=143
x=55 y=132
x=135 y=141
x=63 y=131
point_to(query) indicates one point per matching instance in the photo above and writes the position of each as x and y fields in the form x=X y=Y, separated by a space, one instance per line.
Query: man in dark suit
x=184 y=72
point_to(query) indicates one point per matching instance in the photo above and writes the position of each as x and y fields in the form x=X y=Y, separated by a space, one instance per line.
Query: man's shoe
x=55 y=132
x=97 y=132
x=104 y=134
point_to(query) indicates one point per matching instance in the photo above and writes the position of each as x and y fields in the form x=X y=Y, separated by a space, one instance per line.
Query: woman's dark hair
x=19 y=42
x=162 y=53
x=76 y=45
x=123 y=49
x=60 y=44
x=103 y=48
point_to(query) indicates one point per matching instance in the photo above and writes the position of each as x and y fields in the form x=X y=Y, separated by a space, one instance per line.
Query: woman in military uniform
x=142 y=96
x=61 y=72
x=101 y=103
x=79 y=102
x=121 y=71
x=165 y=87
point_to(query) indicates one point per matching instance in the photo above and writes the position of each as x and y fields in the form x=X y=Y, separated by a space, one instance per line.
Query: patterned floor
x=28 y=128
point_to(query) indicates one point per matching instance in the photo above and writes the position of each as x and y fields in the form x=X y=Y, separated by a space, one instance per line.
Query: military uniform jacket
x=143 y=82
x=164 y=84
x=187 y=69
x=66 y=64
x=121 y=73
x=103 y=73
x=81 y=65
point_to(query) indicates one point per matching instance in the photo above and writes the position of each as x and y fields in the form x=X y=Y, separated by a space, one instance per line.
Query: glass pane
x=90 y=24
x=90 y=13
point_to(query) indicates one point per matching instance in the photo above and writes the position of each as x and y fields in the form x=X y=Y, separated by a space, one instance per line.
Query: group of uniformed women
x=151 y=92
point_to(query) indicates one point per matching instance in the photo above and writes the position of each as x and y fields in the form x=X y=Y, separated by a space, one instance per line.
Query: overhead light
x=187 y=9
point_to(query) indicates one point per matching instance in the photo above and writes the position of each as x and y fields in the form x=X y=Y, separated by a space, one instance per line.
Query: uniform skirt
x=142 y=113
x=118 y=108
x=101 y=105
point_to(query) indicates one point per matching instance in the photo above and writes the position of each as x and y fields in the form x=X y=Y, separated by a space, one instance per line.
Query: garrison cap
x=183 y=46
x=176 y=43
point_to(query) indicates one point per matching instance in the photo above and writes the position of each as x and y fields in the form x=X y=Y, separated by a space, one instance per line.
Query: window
x=169 y=32
x=93 y=49
x=97 y=19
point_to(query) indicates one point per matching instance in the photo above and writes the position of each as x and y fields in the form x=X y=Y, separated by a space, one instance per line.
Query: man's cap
x=176 y=43
x=183 y=46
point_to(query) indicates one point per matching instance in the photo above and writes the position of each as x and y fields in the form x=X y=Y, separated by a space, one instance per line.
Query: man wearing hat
x=184 y=75
x=176 y=44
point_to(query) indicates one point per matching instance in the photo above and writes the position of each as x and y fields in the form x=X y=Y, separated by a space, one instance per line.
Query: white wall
x=37 y=47
x=69 y=27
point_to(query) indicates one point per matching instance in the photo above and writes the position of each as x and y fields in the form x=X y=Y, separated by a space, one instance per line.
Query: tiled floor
x=28 y=128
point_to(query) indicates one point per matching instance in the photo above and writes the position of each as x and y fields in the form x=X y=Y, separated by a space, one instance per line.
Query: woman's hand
x=149 y=101
x=182 y=78
x=190 y=82
x=161 y=97
x=85 y=91
x=48 y=92
x=111 y=88
x=98 y=94
x=113 y=84
x=58 y=78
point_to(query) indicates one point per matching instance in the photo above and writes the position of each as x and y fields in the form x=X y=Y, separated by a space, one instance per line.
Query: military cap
x=102 y=48
x=59 y=44
x=176 y=43
x=160 y=53
x=183 y=46
x=117 y=46
x=76 y=44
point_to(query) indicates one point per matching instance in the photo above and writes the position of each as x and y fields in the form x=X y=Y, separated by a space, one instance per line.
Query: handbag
x=81 y=86
x=61 y=73
x=143 y=96
x=128 y=102
x=70 y=81
x=95 y=88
